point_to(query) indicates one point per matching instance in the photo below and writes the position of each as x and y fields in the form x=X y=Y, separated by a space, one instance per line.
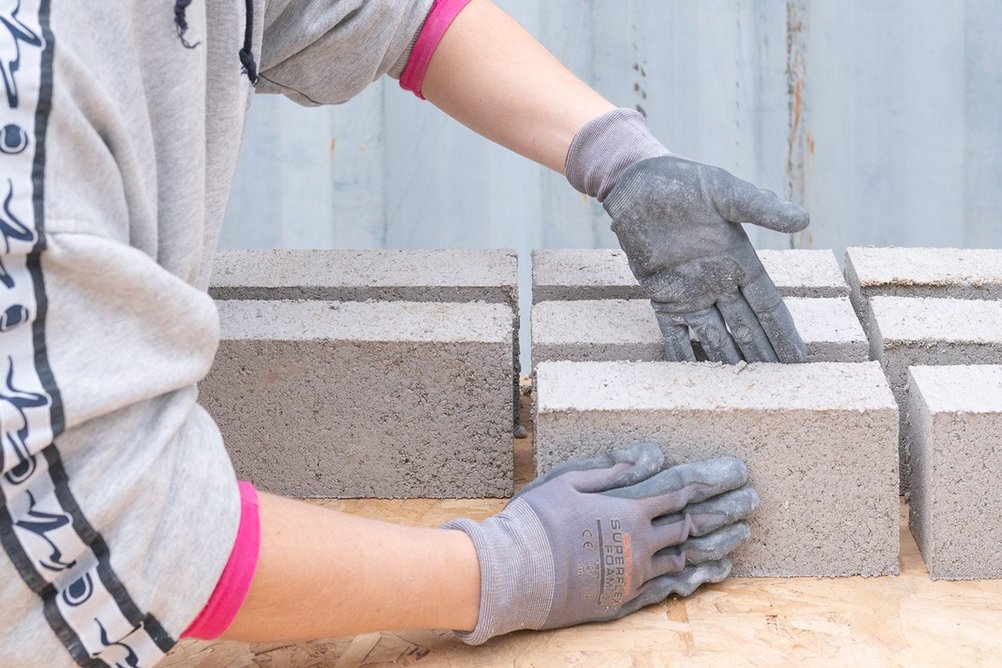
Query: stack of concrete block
x=435 y=275
x=956 y=458
x=948 y=273
x=923 y=306
x=442 y=275
x=367 y=373
x=626 y=329
x=588 y=307
x=820 y=442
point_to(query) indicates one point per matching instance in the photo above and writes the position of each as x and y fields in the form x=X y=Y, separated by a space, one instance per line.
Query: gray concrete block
x=617 y=329
x=375 y=274
x=366 y=399
x=820 y=442
x=418 y=275
x=905 y=332
x=922 y=272
x=956 y=462
x=566 y=274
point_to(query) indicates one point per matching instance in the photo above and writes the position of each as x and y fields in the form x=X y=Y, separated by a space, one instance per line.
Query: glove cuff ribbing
x=516 y=571
x=606 y=146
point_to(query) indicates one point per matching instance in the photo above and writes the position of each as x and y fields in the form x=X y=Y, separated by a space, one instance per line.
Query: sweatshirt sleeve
x=326 y=51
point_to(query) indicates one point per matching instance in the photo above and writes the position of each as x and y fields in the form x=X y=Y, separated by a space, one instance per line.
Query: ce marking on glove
x=587 y=535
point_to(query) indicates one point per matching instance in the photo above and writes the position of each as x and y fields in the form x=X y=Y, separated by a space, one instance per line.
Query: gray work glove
x=679 y=223
x=597 y=539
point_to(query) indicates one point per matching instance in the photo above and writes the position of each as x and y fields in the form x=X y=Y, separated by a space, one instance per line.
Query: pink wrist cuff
x=235 y=582
x=439 y=19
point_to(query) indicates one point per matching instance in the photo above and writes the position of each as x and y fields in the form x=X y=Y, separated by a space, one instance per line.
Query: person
x=122 y=523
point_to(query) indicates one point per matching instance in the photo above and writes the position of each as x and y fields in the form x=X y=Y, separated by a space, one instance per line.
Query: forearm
x=322 y=573
x=490 y=74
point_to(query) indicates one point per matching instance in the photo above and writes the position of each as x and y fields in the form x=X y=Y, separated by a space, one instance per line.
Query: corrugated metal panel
x=885 y=119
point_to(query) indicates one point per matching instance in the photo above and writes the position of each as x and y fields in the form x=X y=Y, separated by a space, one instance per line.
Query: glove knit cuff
x=607 y=145
x=516 y=571
x=634 y=182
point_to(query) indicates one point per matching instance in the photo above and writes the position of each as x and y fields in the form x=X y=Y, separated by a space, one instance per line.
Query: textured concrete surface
x=820 y=441
x=357 y=399
x=922 y=272
x=360 y=275
x=418 y=275
x=565 y=274
x=617 y=329
x=956 y=462
x=905 y=332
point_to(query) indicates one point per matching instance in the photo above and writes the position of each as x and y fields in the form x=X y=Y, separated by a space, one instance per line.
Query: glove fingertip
x=803 y=222
x=646 y=458
x=730 y=471
x=795 y=218
x=739 y=535
x=649 y=455
x=718 y=571
x=737 y=464
x=709 y=572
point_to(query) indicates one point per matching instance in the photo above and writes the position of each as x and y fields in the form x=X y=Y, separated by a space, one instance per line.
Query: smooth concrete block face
x=820 y=442
x=618 y=329
x=566 y=274
x=355 y=399
x=360 y=275
x=922 y=272
x=955 y=512
x=905 y=332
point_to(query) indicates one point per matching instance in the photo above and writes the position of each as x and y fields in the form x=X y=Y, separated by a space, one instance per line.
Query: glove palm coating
x=597 y=539
x=679 y=223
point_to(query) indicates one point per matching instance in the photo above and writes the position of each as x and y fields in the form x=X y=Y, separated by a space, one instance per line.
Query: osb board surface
x=907 y=620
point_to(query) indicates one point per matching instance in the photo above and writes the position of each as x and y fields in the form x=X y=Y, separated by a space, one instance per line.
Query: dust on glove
x=679 y=223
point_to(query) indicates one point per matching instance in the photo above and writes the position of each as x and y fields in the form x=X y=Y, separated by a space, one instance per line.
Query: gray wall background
x=883 y=118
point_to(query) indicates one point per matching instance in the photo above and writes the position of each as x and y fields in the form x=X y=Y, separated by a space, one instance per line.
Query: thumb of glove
x=741 y=202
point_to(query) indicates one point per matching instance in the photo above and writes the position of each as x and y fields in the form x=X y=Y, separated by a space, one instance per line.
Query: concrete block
x=922 y=272
x=820 y=442
x=906 y=332
x=618 y=329
x=418 y=275
x=366 y=399
x=566 y=274
x=360 y=275
x=956 y=463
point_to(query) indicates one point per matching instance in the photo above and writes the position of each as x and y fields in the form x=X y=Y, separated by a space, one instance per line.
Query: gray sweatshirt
x=119 y=140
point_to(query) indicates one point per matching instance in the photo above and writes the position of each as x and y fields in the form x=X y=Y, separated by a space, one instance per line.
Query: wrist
x=516 y=572
x=605 y=147
x=463 y=577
